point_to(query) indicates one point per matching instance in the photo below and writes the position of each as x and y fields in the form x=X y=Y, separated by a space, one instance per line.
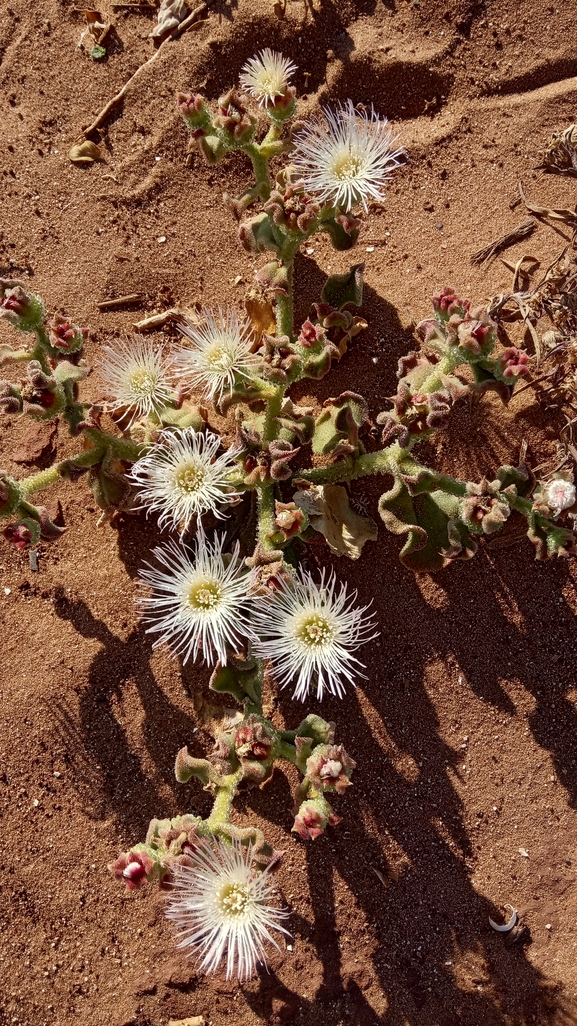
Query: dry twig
x=193 y=18
x=509 y=239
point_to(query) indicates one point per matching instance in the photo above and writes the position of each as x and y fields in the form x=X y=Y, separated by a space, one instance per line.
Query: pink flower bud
x=133 y=867
x=310 y=821
x=64 y=335
x=18 y=535
x=329 y=768
x=514 y=362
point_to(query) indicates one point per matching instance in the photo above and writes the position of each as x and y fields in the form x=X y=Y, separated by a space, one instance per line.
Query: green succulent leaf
x=340 y=289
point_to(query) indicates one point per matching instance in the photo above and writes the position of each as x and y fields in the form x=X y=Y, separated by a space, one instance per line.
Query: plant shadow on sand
x=430 y=915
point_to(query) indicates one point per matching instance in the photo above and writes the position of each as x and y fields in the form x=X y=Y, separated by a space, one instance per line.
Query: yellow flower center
x=315 y=631
x=204 y=595
x=142 y=382
x=234 y=899
x=219 y=358
x=347 y=167
x=189 y=477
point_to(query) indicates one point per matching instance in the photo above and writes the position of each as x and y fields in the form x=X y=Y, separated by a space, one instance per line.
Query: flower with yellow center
x=181 y=476
x=346 y=159
x=266 y=76
x=220 y=905
x=137 y=377
x=220 y=353
x=309 y=633
x=197 y=606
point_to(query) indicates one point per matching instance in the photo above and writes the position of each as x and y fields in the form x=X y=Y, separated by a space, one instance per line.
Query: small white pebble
x=370 y=249
x=375 y=359
x=7 y=591
x=161 y=238
x=157 y=158
x=57 y=774
x=36 y=803
x=289 y=947
x=310 y=250
x=548 y=926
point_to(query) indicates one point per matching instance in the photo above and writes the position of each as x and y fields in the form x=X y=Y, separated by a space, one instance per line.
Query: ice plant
x=220 y=354
x=347 y=158
x=182 y=477
x=137 y=378
x=220 y=904
x=266 y=76
x=197 y=606
x=560 y=495
x=309 y=631
x=256 y=614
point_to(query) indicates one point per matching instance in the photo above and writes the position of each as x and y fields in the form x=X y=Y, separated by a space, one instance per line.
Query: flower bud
x=20 y=535
x=133 y=867
x=329 y=768
x=313 y=816
x=22 y=309
x=513 y=363
x=194 y=111
x=289 y=519
x=65 y=336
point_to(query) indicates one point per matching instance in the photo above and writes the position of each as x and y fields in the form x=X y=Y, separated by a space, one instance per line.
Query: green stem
x=37 y=482
x=284 y=307
x=260 y=167
x=223 y=799
x=287 y=751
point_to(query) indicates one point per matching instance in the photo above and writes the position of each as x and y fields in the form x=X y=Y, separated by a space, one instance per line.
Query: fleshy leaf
x=340 y=289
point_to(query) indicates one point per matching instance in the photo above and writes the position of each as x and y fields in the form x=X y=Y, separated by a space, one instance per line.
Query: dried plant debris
x=85 y=152
x=560 y=156
x=522 y=231
x=170 y=15
x=94 y=35
x=569 y=217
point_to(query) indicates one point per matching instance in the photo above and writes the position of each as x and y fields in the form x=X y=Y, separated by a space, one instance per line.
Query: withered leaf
x=85 y=152
x=330 y=514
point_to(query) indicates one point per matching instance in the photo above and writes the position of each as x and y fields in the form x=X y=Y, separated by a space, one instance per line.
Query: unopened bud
x=22 y=309
x=64 y=335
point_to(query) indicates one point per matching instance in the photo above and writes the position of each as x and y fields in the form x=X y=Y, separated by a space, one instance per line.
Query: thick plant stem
x=266 y=514
x=284 y=308
x=260 y=167
x=225 y=793
x=37 y=482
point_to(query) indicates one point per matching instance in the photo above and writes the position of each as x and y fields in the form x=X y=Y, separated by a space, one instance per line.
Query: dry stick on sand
x=112 y=304
x=518 y=233
x=192 y=19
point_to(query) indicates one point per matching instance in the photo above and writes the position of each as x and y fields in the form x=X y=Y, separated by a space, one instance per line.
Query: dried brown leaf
x=329 y=512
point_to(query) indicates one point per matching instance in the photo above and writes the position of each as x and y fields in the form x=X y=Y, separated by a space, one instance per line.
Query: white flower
x=198 y=606
x=181 y=476
x=309 y=632
x=560 y=495
x=266 y=76
x=136 y=375
x=220 y=905
x=221 y=351
x=347 y=159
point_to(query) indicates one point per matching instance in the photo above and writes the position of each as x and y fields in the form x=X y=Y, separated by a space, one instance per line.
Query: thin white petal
x=348 y=158
x=221 y=907
x=181 y=476
x=309 y=633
